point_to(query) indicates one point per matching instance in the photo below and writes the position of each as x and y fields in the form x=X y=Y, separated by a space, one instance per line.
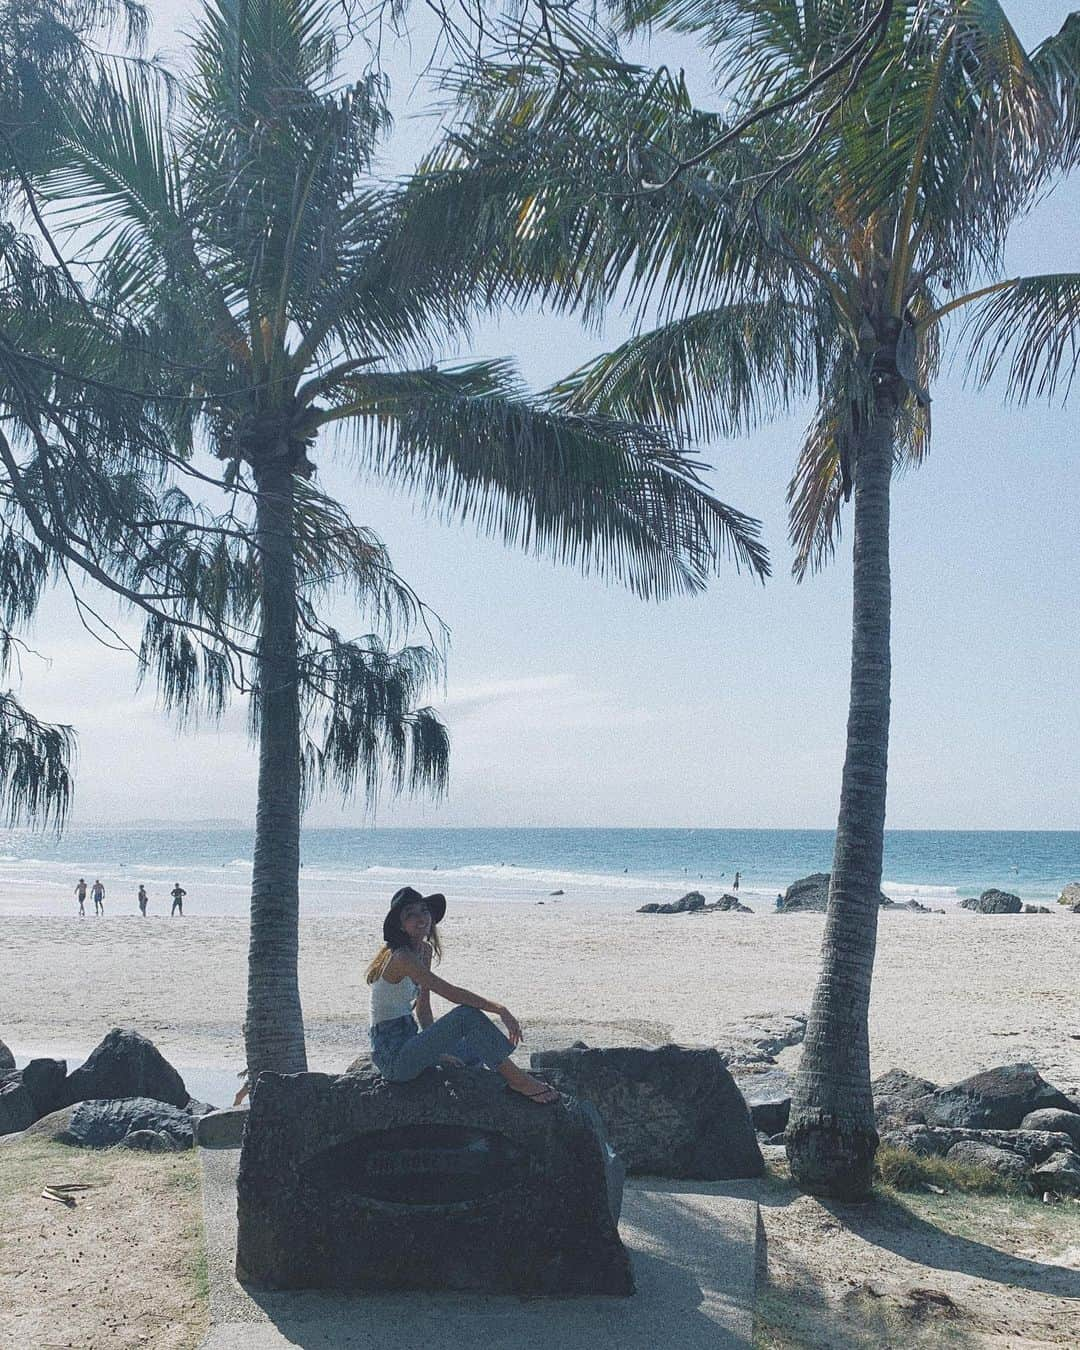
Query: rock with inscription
x=125 y=1064
x=994 y=902
x=1070 y=895
x=672 y=1112
x=997 y=1099
x=7 y=1059
x=446 y=1182
x=812 y=893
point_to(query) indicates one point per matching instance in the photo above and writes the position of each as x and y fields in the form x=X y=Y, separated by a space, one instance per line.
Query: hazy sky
x=571 y=703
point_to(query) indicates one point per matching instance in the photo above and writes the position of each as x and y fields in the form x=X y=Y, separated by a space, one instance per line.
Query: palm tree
x=247 y=227
x=825 y=251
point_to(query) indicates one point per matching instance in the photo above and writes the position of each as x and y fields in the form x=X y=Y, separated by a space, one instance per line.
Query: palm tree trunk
x=274 y=1026
x=831 y=1139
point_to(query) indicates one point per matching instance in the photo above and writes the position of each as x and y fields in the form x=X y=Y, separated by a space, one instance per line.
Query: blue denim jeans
x=400 y=1050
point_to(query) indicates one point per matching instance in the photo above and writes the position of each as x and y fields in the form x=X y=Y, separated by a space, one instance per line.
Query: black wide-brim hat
x=408 y=895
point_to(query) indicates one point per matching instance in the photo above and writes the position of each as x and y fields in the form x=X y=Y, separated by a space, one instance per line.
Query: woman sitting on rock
x=402 y=983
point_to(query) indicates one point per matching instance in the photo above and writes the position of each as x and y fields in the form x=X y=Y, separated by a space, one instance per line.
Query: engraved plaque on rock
x=430 y=1165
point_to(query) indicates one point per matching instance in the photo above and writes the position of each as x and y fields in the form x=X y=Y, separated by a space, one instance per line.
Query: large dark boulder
x=766 y=1089
x=446 y=1182
x=812 y=893
x=994 y=902
x=7 y=1059
x=997 y=1099
x=44 y=1079
x=99 y=1124
x=125 y=1064
x=16 y=1105
x=671 y=1112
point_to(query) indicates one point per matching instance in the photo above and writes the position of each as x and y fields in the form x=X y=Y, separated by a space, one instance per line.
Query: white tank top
x=392 y=1000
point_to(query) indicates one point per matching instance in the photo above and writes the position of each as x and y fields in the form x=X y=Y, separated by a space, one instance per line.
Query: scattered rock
x=197 y=1108
x=673 y=1112
x=651 y=908
x=997 y=1099
x=767 y=1092
x=760 y=1036
x=732 y=904
x=1036 y=909
x=222 y=1129
x=1070 y=895
x=1003 y=1162
x=44 y=1080
x=7 y=1059
x=556 y=893
x=16 y=1105
x=360 y=1063
x=994 y=902
x=148 y=1141
x=1060 y=1122
x=812 y=893
x=484 y=1191
x=1034 y=1146
x=101 y=1124
x=900 y=1099
x=126 y=1064
x=1059 y=1174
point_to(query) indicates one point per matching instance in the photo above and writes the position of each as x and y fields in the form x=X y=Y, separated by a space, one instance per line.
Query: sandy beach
x=953 y=993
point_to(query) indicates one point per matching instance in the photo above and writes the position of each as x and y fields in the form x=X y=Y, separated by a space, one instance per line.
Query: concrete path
x=693 y=1246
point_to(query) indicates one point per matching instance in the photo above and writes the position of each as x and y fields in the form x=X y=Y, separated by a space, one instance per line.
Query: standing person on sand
x=97 y=894
x=80 y=895
x=143 y=901
x=177 y=894
x=404 y=1044
x=735 y=883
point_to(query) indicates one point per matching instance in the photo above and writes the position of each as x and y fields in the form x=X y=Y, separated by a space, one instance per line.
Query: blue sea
x=347 y=869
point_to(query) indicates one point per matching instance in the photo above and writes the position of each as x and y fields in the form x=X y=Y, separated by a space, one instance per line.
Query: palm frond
x=608 y=496
x=717 y=373
x=1034 y=326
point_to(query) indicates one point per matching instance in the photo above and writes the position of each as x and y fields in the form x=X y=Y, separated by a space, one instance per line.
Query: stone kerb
x=447 y=1182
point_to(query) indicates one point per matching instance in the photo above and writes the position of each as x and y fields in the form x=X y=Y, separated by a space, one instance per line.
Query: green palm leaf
x=1034 y=326
x=610 y=496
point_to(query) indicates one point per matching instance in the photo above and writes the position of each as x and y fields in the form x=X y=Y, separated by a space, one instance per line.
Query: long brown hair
x=382 y=957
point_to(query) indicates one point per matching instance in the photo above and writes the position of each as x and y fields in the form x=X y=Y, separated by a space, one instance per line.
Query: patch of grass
x=902 y=1170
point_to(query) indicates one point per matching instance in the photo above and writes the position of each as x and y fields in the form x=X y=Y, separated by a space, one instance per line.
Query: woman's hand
x=513 y=1027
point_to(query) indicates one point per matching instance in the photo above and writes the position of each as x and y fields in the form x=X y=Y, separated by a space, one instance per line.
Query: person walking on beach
x=80 y=895
x=177 y=894
x=735 y=883
x=97 y=894
x=143 y=901
x=405 y=1036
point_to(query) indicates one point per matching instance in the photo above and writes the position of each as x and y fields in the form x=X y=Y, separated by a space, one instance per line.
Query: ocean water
x=351 y=870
